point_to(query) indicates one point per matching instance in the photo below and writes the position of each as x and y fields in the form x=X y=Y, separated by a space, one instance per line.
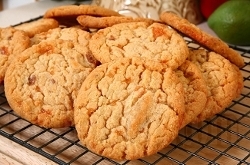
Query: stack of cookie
x=128 y=87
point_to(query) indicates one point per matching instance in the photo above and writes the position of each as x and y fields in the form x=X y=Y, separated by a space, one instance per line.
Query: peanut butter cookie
x=42 y=84
x=12 y=42
x=103 y=22
x=38 y=26
x=203 y=38
x=240 y=81
x=76 y=10
x=129 y=108
x=155 y=42
x=66 y=15
x=222 y=80
x=76 y=35
x=195 y=89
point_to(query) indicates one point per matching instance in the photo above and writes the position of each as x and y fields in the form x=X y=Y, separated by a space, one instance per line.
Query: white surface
x=8 y=4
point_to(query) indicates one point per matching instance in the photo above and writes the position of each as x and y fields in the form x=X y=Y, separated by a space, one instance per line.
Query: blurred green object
x=231 y=22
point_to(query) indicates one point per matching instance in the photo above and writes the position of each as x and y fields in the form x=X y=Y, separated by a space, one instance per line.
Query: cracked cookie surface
x=38 y=26
x=195 y=90
x=156 y=42
x=76 y=35
x=12 y=42
x=42 y=84
x=222 y=80
x=129 y=108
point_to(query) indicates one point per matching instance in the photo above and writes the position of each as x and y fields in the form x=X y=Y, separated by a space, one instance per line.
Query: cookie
x=12 y=42
x=195 y=90
x=129 y=108
x=38 y=26
x=78 y=26
x=240 y=81
x=103 y=22
x=67 y=15
x=76 y=10
x=155 y=42
x=42 y=84
x=76 y=35
x=213 y=43
x=222 y=80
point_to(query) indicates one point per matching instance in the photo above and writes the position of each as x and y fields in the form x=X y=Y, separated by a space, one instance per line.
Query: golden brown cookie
x=12 y=42
x=129 y=108
x=67 y=14
x=195 y=90
x=203 y=38
x=155 y=42
x=81 y=27
x=222 y=80
x=42 y=84
x=240 y=81
x=103 y=22
x=76 y=35
x=38 y=26
x=76 y=10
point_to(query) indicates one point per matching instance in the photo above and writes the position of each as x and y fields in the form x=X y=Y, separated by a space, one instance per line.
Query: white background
x=8 y=4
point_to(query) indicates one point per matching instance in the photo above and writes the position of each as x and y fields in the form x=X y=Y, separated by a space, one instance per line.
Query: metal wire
x=216 y=141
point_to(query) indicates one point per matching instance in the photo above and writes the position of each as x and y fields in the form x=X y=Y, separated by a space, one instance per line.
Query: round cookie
x=195 y=91
x=76 y=10
x=221 y=79
x=38 y=26
x=240 y=81
x=76 y=35
x=103 y=22
x=12 y=42
x=67 y=15
x=42 y=84
x=203 y=38
x=155 y=42
x=129 y=108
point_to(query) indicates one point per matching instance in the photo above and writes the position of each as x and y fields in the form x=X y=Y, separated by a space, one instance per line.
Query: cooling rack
x=224 y=139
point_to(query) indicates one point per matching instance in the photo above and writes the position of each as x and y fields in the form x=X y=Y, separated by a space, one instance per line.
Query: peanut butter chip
x=4 y=50
x=31 y=80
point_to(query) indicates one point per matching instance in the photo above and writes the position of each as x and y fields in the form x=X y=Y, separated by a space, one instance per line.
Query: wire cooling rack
x=224 y=139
